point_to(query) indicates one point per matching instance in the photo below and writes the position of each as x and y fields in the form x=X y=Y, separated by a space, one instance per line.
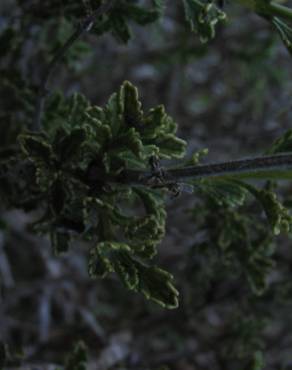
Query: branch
x=280 y=10
x=267 y=8
x=268 y=167
x=84 y=27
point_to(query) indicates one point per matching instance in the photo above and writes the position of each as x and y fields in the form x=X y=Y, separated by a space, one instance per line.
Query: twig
x=280 y=10
x=268 y=8
x=266 y=165
x=84 y=26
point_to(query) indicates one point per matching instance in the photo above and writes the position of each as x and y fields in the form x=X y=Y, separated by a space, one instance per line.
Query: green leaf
x=258 y=267
x=278 y=216
x=130 y=140
x=154 y=283
x=133 y=113
x=114 y=257
x=118 y=18
x=36 y=147
x=203 y=17
x=282 y=144
x=223 y=192
x=157 y=285
x=153 y=122
x=112 y=113
x=171 y=146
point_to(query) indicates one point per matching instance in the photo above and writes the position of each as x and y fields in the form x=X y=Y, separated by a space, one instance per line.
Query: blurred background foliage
x=233 y=96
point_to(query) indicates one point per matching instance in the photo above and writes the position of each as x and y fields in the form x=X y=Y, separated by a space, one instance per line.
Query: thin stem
x=280 y=10
x=82 y=28
x=251 y=167
x=267 y=9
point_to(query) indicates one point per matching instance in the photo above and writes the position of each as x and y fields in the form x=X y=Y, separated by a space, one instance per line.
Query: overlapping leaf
x=155 y=283
x=82 y=150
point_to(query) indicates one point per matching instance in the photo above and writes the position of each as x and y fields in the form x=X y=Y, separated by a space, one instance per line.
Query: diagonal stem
x=269 y=166
x=80 y=30
x=280 y=10
x=267 y=8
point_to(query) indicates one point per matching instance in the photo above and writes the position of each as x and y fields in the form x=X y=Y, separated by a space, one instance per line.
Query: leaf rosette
x=78 y=160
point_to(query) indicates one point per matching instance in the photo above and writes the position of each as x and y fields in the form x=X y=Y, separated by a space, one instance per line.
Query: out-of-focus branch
x=84 y=27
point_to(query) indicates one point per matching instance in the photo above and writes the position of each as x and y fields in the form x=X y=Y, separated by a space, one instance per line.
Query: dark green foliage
x=116 y=21
x=77 y=164
x=202 y=17
x=72 y=172
x=283 y=144
x=125 y=11
x=278 y=216
x=277 y=15
x=244 y=247
x=153 y=282
x=285 y=32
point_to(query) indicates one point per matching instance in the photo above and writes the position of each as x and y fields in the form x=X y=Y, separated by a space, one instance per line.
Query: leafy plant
x=102 y=175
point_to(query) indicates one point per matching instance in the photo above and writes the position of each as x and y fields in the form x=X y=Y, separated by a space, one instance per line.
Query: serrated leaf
x=126 y=269
x=153 y=282
x=114 y=257
x=257 y=269
x=132 y=111
x=153 y=122
x=171 y=146
x=282 y=144
x=112 y=113
x=203 y=17
x=130 y=140
x=36 y=148
x=278 y=216
x=156 y=284
x=223 y=192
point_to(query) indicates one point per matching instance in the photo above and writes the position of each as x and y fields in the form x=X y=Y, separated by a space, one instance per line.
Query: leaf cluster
x=74 y=171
